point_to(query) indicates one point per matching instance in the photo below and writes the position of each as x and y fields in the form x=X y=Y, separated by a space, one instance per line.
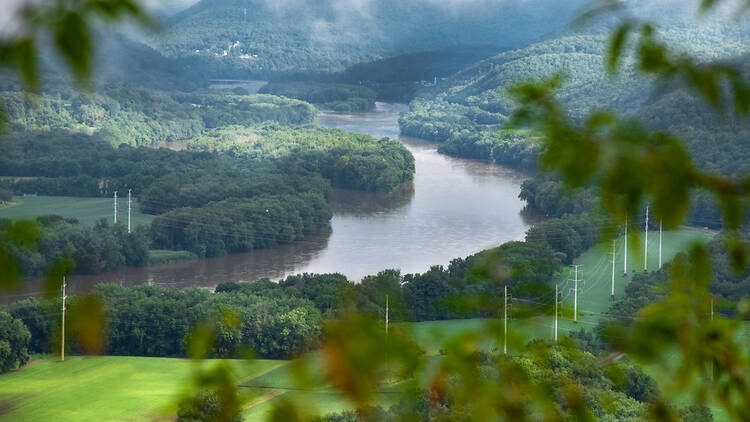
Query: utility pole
x=575 y=294
x=505 y=312
x=659 y=244
x=555 y=313
x=712 y=318
x=625 y=251
x=130 y=209
x=612 y=292
x=62 y=343
x=115 y=207
x=645 y=246
x=386 y=315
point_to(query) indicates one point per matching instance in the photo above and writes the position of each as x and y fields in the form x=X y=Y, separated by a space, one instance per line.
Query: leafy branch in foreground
x=630 y=165
x=714 y=82
x=69 y=24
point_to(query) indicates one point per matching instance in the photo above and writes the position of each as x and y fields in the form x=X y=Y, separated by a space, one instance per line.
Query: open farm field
x=87 y=210
x=113 y=387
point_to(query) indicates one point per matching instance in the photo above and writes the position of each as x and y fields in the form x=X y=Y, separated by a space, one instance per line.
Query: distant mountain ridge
x=230 y=37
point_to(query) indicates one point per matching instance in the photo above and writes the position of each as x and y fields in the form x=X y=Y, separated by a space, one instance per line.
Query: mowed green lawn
x=87 y=210
x=107 y=388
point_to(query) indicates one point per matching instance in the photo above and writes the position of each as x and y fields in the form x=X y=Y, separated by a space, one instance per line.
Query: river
x=455 y=207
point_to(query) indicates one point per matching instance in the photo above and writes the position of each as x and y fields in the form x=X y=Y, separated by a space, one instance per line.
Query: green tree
x=14 y=343
x=204 y=407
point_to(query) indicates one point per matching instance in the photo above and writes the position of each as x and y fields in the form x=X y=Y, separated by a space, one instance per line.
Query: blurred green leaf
x=201 y=341
x=10 y=272
x=73 y=40
x=359 y=356
x=86 y=324
x=616 y=44
x=23 y=232
x=62 y=267
x=286 y=411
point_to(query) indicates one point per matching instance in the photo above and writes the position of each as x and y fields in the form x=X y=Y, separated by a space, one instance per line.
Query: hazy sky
x=9 y=9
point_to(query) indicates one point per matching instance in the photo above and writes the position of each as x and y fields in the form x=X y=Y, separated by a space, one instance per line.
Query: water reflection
x=354 y=203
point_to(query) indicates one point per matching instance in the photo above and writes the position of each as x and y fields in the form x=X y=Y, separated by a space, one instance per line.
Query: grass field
x=102 y=388
x=128 y=388
x=115 y=388
x=87 y=210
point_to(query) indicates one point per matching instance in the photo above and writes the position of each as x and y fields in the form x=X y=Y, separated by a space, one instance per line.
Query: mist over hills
x=261 y=37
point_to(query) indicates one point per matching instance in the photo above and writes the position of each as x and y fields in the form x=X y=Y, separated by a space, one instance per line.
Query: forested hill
x=720 y=143
x=467 y=111
x=263 y=37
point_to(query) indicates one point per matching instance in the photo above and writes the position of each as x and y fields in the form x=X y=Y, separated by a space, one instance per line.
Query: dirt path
x=262 y=399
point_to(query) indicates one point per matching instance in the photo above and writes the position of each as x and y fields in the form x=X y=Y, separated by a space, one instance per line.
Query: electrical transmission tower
x=130 y=209
x=712 y=318
x=659 y=244
x=556 y=300
x=575 y=292
x=386 y=315
x=612 y=291
x=62 y=343
x=645 y=246
x=625 y=251
x=505 y=319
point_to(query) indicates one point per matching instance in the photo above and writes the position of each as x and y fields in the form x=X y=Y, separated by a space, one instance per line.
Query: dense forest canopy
x=140 y=116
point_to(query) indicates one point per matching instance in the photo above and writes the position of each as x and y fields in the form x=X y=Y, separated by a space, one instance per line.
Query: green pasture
x=87 y=210
x=102 y=388
x=145 y=389
x=596 y=267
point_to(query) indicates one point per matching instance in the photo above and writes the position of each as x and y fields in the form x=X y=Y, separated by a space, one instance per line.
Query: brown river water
x=455 y=207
